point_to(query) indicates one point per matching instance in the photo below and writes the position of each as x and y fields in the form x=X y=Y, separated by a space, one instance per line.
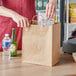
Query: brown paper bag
x=41 y=44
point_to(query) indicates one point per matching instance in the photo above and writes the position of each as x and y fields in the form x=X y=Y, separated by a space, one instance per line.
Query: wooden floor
x=15 y=67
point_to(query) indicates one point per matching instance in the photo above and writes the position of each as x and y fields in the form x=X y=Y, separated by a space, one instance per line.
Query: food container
x=72 y=19
x=72 y=12
x=72 y=5
x=43 y=19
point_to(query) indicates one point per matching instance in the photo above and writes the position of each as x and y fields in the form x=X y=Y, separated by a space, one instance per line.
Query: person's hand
x=51 y=9
x=20 y=20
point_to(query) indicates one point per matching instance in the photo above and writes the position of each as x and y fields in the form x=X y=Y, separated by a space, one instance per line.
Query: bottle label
x=6 y=44
x=13 y=48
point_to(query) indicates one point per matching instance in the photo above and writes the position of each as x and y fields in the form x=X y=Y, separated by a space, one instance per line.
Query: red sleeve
x=0 y=2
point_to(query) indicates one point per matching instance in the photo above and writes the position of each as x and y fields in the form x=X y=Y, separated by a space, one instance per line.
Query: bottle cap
x=6 y=34
x=13 y=28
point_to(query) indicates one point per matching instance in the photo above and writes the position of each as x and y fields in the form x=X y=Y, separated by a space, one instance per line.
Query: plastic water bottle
x=6 y=45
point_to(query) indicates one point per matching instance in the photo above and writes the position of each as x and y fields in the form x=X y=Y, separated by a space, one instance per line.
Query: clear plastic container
x=43 y=19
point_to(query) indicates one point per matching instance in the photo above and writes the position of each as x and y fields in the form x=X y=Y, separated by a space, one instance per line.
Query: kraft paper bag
x=41 y=44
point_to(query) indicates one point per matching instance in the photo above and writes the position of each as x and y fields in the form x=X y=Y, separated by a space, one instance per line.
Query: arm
x=20 y=20
x=6 y=12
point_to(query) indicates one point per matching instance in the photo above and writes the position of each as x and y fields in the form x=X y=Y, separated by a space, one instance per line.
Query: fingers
x=18 y=24
x=26 y=22
x=47 y=8
x=51 y=10
x=54 y=13
x=23 y=22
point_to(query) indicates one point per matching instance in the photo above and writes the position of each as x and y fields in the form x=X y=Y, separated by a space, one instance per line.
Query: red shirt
x=25 y=8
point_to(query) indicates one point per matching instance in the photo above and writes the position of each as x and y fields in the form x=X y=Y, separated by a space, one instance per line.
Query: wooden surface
x=66 y=67
x=15 y=67
x=41 y=44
